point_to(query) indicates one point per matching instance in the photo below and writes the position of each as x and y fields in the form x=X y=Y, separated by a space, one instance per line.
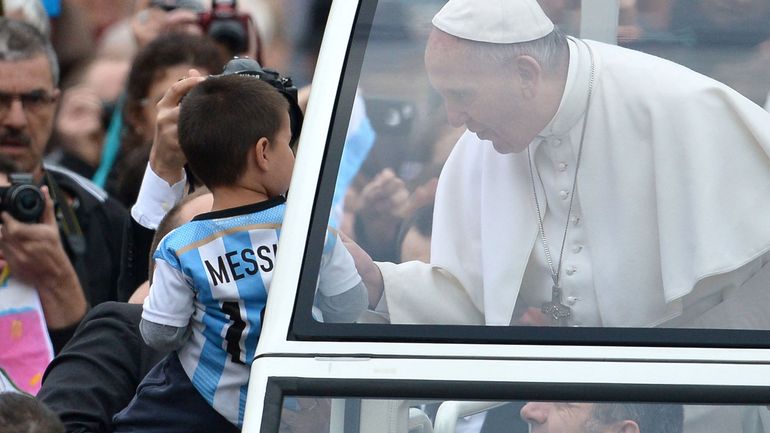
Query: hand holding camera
x=223 y=23
x=228 y=26
x=22 y=199
x=35 y=252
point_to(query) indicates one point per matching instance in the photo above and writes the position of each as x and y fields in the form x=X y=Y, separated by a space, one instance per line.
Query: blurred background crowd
x=111 y=80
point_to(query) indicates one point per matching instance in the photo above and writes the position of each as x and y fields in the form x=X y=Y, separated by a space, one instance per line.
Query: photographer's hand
x=149 y=22
x=384 y=203
x=36 y=256
x=166 y=157
x=146 y=25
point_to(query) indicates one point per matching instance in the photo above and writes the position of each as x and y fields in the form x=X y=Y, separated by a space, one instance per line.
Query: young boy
x=211 y=277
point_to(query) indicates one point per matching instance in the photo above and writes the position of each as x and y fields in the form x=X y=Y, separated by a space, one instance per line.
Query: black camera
x=223 y=23
x=170 y=5
x=250 y=67
x=22 y=199
x=226 y=25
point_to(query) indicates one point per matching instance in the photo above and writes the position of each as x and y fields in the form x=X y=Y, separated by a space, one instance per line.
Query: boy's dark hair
x=22 y=413
x=221 y=118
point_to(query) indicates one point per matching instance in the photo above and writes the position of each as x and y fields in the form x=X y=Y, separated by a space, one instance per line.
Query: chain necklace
x=559 y=312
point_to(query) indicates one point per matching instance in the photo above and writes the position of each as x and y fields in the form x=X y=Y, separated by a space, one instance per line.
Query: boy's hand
x=369 y=272
x=166 y=157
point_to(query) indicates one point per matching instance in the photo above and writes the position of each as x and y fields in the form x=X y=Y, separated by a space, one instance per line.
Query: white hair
x=21 y=41
x=30 y=11
x=549 y=50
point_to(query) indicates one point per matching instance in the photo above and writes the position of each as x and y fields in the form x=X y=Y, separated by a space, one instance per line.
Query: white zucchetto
x=495 y=21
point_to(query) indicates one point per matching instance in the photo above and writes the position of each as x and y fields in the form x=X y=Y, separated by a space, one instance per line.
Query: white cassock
x=670 y=225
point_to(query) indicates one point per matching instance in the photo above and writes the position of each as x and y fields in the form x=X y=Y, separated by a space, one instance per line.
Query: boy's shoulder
x=266 y=215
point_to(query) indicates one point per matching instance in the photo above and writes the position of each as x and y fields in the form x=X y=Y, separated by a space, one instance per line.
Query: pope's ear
x=627 y=426
x=529 y=72
x=261 y=153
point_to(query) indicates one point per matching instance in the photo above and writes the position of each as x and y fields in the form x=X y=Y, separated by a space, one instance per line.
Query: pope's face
x=545 y=417
x=488 y=98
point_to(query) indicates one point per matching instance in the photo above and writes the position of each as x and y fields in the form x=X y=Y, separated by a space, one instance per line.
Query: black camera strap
x=66 y=218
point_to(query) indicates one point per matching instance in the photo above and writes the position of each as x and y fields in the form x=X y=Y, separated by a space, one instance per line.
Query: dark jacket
x=96 y=374
x=101 y=220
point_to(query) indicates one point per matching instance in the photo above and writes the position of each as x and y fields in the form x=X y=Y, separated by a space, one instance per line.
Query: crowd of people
x=163 y=169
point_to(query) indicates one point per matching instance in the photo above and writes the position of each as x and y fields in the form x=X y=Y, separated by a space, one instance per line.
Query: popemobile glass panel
x=491 y=167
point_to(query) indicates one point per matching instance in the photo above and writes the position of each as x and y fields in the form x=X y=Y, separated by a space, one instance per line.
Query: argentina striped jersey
x=214 y=272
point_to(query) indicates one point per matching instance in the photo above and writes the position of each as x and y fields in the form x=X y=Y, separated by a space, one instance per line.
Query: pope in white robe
x=670 y=220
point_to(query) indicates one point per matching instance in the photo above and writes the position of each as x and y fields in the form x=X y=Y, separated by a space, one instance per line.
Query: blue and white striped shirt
x=215 y=272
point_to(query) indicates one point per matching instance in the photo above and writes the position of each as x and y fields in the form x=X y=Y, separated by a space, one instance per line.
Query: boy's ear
x=261 y=153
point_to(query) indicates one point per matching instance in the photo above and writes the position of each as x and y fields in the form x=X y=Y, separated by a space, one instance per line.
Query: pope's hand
x=533 y=317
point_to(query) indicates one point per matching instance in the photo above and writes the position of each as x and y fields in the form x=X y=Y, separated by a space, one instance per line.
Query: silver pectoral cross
x=558 y=311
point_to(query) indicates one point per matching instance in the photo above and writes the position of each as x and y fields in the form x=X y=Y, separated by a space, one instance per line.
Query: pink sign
x=24 y=347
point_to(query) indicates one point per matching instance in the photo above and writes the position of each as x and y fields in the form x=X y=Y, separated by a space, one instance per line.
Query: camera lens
x=231 y=34
x=26 y=203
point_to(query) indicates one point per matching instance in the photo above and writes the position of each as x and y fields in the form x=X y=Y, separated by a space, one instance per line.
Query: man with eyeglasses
x=71 y=257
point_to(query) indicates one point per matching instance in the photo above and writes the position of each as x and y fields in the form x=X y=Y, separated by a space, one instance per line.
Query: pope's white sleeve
x=171 y=297
x=420 y=293
x=746 y=299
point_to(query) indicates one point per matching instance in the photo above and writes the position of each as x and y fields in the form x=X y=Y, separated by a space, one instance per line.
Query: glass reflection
x=326 y=415
x=557 y=182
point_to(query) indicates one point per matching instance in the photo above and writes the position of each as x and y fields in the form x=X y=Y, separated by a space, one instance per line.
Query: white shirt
x=156 y=197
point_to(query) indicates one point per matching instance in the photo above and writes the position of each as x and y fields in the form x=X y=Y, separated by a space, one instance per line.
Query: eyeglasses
x=33 y=102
